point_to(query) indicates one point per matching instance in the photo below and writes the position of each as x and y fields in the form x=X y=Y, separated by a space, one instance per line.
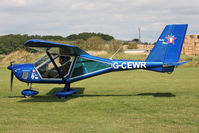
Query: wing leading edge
x=45 y=45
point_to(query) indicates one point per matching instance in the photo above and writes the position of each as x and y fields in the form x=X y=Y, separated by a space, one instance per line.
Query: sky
x=119 y=18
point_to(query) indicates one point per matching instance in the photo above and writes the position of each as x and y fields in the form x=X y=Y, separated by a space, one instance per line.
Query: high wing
x=46 y=45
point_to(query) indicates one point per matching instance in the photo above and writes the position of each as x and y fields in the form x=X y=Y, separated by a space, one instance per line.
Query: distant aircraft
x=65 y=64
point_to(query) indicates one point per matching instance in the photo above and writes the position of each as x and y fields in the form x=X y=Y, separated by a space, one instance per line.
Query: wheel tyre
x=62 y=97
x=27 y=96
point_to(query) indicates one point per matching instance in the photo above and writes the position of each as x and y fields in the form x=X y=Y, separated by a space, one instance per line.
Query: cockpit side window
x=85 y=66
x=48 y=70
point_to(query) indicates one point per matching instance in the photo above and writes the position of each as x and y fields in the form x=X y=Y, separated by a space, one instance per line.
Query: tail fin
x=168 y=47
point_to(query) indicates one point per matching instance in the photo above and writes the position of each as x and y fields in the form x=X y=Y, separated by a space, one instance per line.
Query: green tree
x=136 y=40
x=95 y=43
x=86 y=35
x=72 y=37
x=115 y=45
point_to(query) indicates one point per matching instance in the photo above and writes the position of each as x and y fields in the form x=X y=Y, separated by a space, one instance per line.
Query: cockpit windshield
x=44 y=59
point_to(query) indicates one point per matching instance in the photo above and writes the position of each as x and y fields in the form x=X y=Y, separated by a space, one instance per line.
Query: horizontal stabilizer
x=167 y=67
x=175 y=63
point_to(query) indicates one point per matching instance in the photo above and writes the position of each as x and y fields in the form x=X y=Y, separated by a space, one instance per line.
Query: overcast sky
x=119 y=18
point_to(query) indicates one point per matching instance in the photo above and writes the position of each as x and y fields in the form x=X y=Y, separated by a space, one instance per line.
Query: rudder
x=169 y=45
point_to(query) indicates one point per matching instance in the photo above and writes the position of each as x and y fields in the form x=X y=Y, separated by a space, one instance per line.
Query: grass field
x=118 y=102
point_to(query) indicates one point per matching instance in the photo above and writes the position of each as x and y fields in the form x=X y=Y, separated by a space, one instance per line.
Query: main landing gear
x=66 y=92
x=28 y=93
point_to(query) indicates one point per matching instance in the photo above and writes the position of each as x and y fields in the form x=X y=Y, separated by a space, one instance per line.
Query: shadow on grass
x=157 y=94
x=50 y=96
x=126 y=95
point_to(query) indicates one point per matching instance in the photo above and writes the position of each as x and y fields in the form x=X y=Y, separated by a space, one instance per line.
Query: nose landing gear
x=28 y=93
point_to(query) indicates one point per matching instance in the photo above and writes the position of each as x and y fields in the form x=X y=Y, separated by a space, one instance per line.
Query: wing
x=46 y=46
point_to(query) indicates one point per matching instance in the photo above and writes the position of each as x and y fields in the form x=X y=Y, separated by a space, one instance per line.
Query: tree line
x=13 y=42
x=85 y=36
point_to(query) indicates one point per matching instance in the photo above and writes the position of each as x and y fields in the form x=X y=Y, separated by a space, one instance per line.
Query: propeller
x=12 y=76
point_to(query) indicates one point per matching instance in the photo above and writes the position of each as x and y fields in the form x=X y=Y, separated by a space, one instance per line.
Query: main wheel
x=65 y=94
x=62 y=97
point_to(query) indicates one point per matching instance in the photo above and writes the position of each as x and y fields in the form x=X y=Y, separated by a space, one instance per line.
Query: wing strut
x=62 y=76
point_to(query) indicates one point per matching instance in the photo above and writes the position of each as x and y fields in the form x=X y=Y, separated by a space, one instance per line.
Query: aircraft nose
x=10 y=67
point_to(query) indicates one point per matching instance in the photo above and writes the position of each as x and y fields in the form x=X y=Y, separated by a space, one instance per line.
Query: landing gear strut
x=67 y=91
x=28 y=93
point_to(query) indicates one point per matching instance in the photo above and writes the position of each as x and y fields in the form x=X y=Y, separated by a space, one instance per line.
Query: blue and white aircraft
x=65 y=64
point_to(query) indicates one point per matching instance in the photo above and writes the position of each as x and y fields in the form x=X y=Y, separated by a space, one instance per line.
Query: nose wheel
x=28 y=93
x=27 y=96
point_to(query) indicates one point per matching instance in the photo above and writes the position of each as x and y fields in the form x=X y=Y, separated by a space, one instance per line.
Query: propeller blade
x=11 y=80
x=12 y=76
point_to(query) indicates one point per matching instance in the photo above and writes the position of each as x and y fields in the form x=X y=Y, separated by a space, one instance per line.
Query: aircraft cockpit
x=46 y=67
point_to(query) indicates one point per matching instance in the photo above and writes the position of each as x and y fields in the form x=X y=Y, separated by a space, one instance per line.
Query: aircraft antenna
x=115 y=53
x=139 y=34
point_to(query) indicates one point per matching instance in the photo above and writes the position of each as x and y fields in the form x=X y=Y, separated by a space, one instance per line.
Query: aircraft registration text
x=129 y=65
